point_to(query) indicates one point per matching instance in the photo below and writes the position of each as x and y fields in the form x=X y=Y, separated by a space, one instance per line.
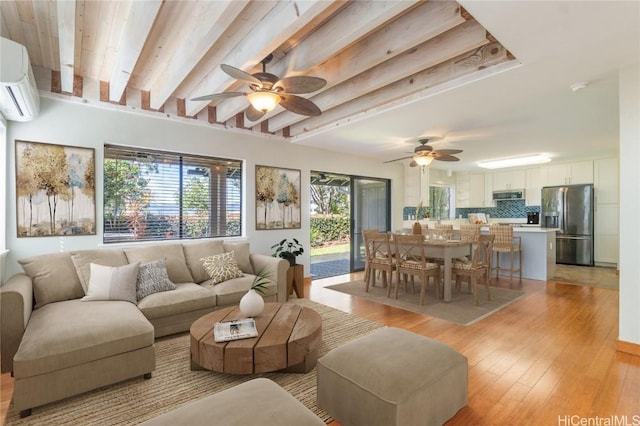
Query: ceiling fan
x=268 y=90
x=424 y=154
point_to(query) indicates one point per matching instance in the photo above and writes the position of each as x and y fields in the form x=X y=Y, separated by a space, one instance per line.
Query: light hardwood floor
x=545 y=358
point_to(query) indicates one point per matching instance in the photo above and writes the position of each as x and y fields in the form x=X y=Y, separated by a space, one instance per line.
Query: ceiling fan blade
x=222 y=95
x=300 y=84
x=445 y=157
x=253 y=114
x=299 y=105
x=238 y=74
x=448 y=151
x=398 y=159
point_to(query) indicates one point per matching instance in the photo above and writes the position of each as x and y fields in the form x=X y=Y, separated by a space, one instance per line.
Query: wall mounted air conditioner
x=19 y=98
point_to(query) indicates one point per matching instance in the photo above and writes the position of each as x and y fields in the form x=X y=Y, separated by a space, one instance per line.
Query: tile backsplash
x=503 y=209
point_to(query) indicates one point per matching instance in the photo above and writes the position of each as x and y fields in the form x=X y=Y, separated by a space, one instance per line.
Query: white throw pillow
x=112 y=283
x=153 y=278
x=222 y=267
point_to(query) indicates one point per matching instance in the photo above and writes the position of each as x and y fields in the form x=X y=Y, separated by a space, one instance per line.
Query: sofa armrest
x=16 y=305
x=275 y=268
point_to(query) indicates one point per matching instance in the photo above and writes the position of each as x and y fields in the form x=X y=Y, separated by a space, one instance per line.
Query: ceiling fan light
x=423 y=160
x=264 y=101
x=516 y=161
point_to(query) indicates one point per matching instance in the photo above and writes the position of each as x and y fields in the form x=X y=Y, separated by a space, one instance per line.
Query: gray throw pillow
x=153 y=278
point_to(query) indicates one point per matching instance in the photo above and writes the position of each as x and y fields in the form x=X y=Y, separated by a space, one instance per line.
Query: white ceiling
x=523 y=110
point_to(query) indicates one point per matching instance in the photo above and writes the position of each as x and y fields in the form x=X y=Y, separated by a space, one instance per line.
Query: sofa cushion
x=107 y=257
x=176 y=264
x=230 y=292
x=186 y=297
x=69 y=333
x=242 y=252
x=194 y=251
x=222 y=267
x=112 y=283
x=153 y=278
x=54 y=278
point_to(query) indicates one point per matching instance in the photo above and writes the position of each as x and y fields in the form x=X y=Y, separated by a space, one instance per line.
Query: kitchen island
x=538 y=252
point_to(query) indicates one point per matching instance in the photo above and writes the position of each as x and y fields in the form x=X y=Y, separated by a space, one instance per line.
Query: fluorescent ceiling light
x=512 y=162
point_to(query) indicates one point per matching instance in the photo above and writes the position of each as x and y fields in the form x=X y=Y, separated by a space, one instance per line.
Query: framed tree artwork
x=277 y=198
x=55 y=190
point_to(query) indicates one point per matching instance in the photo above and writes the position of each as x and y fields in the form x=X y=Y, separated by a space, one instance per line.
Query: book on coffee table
x=234 y=330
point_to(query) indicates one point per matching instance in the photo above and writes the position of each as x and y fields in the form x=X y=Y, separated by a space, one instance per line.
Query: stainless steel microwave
x=510 y=194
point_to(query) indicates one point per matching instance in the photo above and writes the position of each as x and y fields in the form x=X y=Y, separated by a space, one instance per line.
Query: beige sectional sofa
x=58 y=345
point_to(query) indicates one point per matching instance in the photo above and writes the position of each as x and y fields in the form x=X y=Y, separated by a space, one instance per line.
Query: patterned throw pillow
x=222 y=267
x=153 y=278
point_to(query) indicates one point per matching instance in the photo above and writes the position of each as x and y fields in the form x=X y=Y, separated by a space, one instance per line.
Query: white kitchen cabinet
x=506 y=180
x=605 y=179
x=535 y=178
x=462 y=189
x=606 y=238
x=570 y=173
x=477 y=190
x=607 y=232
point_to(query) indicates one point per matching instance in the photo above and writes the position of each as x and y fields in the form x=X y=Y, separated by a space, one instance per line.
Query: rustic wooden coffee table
x=288 y=340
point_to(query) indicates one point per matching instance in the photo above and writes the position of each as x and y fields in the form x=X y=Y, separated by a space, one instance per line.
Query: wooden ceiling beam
x=462 y=38
x=323 y=43
x=432 y=80
x=44 y=13
x=139 y=21
x=208 y=23
x=66 y=42
x=11 y=24
x=423 y=23
x=280 y=24
x=250 y=18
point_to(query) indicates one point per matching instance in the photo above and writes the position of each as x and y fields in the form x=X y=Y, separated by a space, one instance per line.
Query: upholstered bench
x=392 y=377
x=256 y=402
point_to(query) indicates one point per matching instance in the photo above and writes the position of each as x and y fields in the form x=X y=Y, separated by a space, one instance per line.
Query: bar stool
x=505 y=242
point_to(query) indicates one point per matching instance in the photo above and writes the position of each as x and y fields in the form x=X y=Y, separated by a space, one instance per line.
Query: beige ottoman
x=392 y=377
x=256 y=402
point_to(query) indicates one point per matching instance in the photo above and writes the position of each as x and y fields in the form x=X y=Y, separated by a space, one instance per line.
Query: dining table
x=447 y=250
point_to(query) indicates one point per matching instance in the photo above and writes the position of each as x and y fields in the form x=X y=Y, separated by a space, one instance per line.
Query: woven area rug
x=174 y=384
x=460 y=310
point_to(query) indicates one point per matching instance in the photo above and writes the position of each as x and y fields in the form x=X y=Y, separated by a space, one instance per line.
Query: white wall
x=3 y=196
x=629 y=204
x=69 y=122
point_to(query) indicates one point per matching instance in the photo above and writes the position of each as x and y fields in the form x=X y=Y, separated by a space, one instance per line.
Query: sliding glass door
x=370 y=209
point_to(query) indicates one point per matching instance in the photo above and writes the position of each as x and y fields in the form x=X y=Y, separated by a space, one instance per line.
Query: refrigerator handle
x=563 y=210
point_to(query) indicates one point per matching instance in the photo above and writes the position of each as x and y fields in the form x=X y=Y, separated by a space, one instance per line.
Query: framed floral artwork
x=277 y=198
x=55 y=190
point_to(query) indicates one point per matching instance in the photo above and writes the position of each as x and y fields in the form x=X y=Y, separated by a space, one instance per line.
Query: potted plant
x=288 y=250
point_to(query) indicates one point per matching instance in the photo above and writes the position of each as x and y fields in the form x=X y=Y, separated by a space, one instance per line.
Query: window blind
x=157 y=195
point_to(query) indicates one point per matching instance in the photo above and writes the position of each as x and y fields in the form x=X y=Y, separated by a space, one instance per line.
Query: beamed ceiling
x=158 y=55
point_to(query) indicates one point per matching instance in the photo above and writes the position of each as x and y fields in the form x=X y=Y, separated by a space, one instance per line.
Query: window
x=440 y=200
x=154 y=195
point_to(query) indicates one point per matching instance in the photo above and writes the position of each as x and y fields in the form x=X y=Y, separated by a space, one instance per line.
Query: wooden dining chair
x=411 y=261
x=478 y=269
x=367 y=251
x=379 y=257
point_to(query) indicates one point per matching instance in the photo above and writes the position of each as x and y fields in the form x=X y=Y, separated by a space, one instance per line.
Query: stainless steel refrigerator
x=570 y=209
